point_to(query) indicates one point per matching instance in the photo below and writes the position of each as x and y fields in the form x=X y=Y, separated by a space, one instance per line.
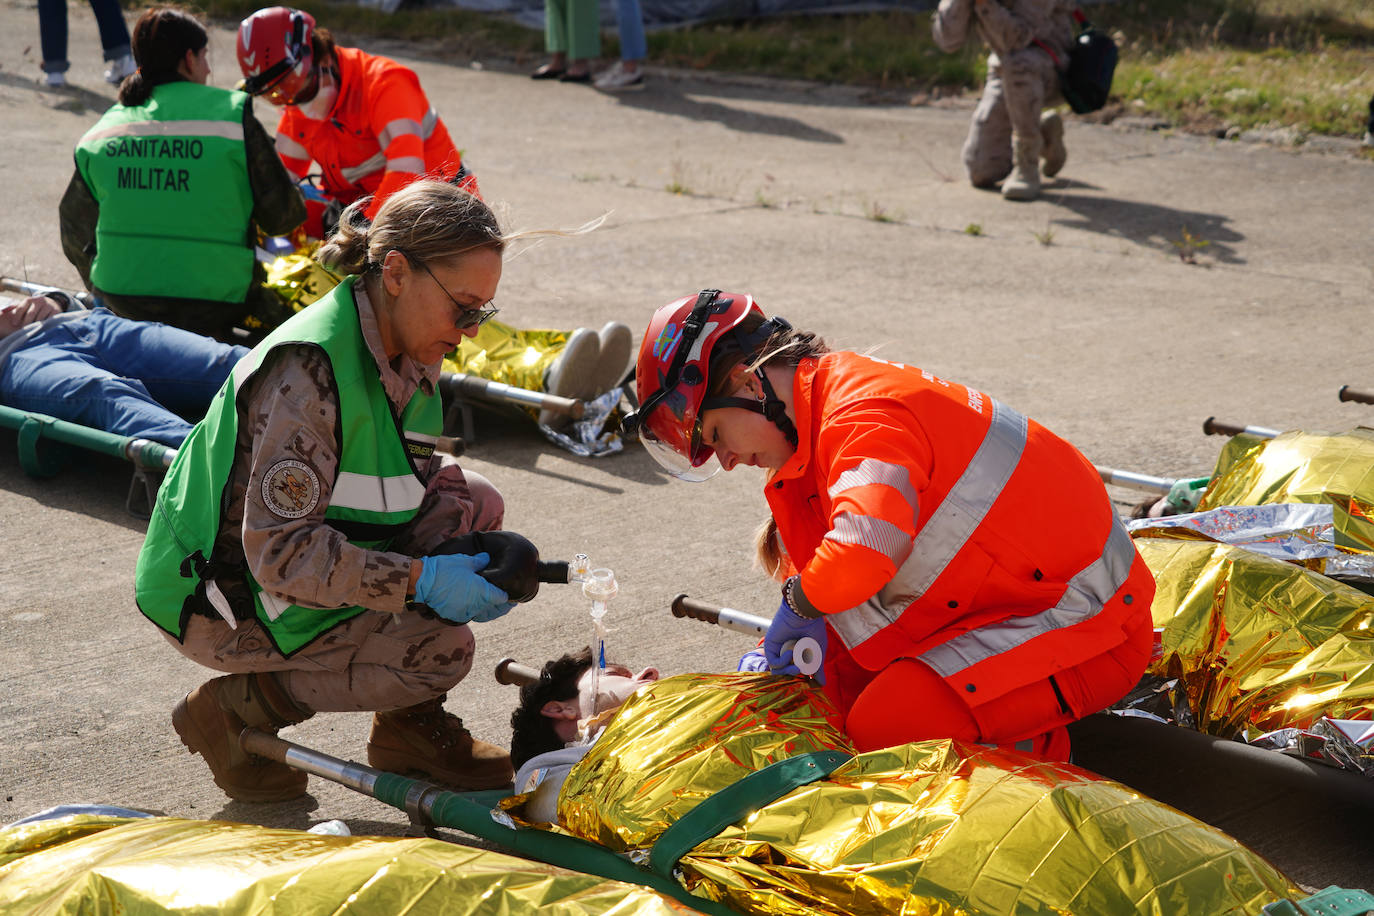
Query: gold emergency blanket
x=298 y=279
x=933 y=827
x=1259 y=644
x=142 y=866
x=501 y=353
x=1299 y=467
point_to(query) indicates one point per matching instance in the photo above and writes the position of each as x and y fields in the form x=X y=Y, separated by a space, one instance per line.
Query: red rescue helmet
x=673 y=373
x=275 y=53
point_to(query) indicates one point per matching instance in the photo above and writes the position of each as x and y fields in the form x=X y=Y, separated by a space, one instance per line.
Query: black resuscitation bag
x=1087 y=81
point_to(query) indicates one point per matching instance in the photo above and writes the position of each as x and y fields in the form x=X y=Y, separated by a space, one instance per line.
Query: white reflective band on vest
x=406 y=164
x=229 y=130
x=875 y=533
x=377 y=494
x=402 y=126
x=373 y=164
x=288 y=147
x=950 y=526
x=1086 y=594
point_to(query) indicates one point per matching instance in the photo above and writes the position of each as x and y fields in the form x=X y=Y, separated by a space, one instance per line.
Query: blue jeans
x=630 y=23
x=131 y=378
x=52 y=32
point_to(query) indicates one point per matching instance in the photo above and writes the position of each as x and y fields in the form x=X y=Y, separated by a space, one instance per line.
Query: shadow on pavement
x=1152 y=225
x=69 y=98
x=672 y=99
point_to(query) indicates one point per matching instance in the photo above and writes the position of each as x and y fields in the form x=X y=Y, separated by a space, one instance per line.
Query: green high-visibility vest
x=376 y=494
x=171 y=179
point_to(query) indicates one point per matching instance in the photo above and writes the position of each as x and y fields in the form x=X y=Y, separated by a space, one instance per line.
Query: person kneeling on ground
x=295 y=536
x=906 y=531
x=169 y=186
x=140 y=379
x=1009 y=133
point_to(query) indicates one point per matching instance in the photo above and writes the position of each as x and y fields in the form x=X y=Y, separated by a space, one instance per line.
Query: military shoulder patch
x=290 y=488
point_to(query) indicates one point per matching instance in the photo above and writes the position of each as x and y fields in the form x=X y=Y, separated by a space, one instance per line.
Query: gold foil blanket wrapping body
x=927 y=828
x=502 y=353
x=1259 y=644
x=141 y=867
x=1299 y=467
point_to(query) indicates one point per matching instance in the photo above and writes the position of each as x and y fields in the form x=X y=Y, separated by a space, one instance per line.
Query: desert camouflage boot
x=210 y=718
x=432 y=743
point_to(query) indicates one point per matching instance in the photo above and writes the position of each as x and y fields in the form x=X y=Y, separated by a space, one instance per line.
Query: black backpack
x=1087 y=81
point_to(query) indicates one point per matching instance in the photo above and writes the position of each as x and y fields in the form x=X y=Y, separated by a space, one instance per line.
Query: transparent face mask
x=680 y=466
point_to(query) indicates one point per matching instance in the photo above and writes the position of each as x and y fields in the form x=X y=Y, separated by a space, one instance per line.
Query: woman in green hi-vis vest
x=171 y=186
x=291 y=541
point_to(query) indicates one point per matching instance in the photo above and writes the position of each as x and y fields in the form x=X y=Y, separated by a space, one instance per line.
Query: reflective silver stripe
x=873 y=533
x=398 y=128
x=947 y=530
x=377 y=494
x=362 y=169
x=229 y=130
x=871 y=471
x=413 y=436
x=272 y=605
x=406 y=164
x=288 y=147
x=1083 y=599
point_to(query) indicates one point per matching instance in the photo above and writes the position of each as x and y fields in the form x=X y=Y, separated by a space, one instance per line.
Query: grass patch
x=1203 y=65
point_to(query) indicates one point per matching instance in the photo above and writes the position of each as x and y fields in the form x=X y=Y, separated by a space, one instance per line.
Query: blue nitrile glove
x=311 y=192
x=789 y=626
x=451 y=586
x=753 y=661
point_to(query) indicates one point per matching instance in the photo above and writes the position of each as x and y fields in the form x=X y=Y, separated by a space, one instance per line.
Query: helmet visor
x=703 y=466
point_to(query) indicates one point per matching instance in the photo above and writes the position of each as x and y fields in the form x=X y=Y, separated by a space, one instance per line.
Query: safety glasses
x=467 y=317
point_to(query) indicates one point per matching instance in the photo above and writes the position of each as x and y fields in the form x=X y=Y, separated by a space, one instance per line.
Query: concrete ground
x=848 y=216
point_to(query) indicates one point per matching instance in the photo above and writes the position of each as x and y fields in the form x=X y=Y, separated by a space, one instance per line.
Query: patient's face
x=614 y=687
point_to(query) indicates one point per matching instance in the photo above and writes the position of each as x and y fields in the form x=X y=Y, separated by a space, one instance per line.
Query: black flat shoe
x=547 y=72
x=576 y=77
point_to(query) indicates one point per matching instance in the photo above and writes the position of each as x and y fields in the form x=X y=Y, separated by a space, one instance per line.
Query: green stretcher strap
x=1331 y=901
x=735 y=802
x=472 y=813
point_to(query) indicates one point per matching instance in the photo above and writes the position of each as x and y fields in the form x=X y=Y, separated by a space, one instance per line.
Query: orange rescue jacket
x=380 y=135
x=930 y=521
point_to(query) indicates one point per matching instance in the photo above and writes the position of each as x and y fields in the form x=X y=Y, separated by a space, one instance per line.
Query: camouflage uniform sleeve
x=291 y=550
x=950 y=24
x=445 y=512
x=277 y=203
x=77 y=215
x=1010 y=25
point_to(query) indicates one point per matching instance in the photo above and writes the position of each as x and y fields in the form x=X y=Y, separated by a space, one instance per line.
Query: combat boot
x=430 y=742
x=210 y=718
x=1024 y=181
x=1052 y=138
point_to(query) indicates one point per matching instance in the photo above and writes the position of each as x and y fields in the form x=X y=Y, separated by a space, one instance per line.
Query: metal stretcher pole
x=33 y=426
x=433 y=805
x=1214 y=427
x=1136 y=481
x=458 y=384
x=725 y=617
x=1359 y=397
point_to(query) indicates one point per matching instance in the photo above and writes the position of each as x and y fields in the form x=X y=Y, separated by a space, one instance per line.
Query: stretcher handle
x=459 y=384
x=684 y=606
x=1214 y=427
x=509 y=671
x=1359 y=397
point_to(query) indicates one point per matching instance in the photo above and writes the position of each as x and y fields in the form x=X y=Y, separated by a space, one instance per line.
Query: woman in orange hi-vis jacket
x=362 y=118
x=908 y=511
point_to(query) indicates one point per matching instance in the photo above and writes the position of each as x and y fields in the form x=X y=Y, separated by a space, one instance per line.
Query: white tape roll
x=806 y=655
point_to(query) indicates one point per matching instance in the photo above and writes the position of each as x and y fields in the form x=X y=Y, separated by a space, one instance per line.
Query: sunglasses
x=467 y=317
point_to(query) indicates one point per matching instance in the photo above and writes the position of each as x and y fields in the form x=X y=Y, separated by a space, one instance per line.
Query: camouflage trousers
x=1019 y=85
x=375 y=661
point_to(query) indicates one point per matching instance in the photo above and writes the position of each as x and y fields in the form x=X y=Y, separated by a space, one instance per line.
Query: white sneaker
x=54 y=79
x=571 y=373
x=618 y=79
x=119 y=69
x=617 y=349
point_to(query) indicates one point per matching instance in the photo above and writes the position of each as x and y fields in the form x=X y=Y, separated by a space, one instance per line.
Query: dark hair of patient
x=161 y=38
x=532 y=732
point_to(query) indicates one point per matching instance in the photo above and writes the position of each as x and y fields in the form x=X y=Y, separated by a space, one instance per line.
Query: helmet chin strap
x=768 y=404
